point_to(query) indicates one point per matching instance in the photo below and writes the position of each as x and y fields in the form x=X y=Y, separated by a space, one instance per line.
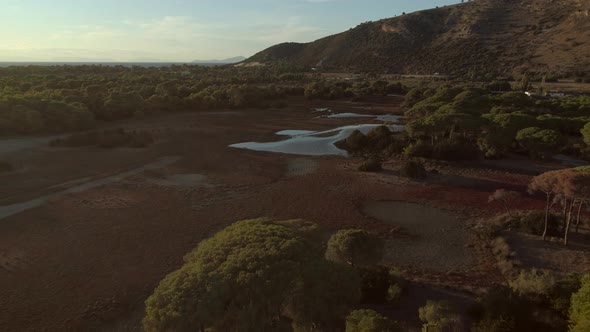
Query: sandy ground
x=87 y=260
x=430 y=238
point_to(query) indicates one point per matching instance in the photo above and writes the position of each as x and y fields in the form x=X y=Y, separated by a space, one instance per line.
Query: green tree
x=438 y=316
x=494 y=143
x=580 y=308
x=546 y=183
x=540 y=143
x=586 y=133
x=252 y=276
x=355 y=247
x=366 y=320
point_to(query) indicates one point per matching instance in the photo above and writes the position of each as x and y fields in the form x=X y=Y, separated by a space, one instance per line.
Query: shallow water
x=349 y=115
x=295 y=132
x=307 y=143
x=319 y=143
x=383 y=117
x=9 y=210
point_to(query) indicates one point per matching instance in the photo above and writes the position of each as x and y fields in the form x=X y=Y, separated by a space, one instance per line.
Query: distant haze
x=176 y=30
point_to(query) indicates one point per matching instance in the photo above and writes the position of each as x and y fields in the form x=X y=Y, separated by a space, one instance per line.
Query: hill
x=481 y=36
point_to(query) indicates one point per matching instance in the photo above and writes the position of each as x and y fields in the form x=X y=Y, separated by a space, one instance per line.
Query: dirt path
x=9 y=210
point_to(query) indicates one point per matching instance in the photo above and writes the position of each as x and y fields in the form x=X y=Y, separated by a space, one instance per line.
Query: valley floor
x=87 y=258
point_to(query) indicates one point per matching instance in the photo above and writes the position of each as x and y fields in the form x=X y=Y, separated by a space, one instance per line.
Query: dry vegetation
x=477 y=37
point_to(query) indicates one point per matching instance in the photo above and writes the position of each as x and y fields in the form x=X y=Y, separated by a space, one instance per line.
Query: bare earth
x=88 y=259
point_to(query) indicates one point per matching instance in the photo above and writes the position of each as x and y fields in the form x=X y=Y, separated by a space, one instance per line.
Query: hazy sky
x=176 y=30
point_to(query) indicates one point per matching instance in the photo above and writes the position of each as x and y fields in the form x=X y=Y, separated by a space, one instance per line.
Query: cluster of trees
x=69 y=98
x=339 y=89
x=260 y=275
x=535 y=302
x=458 y=123
x=569 y=188
x=539 y=300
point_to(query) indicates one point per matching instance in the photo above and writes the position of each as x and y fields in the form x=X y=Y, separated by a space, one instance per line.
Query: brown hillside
x=483 y=36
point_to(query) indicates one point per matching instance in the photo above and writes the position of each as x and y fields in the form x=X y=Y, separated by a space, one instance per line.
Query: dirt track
x=88 y=260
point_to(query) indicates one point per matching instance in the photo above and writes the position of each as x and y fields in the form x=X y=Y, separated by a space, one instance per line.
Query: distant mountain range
x=481 y=36
x=222 y=62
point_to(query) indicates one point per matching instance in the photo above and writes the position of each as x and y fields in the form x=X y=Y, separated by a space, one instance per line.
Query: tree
x=547 y=184
x=356 y=141
x=570 y=186
x=586 y=133
x=323 y=295
x=355 y=247
x=504 y=196
x=495 y=142
x=183 y=302
x=366 y=320
x=512 y=122
x=525 y=83
x=540 y=143
x=575 y=190
x=580 y=308
x=253 y=276
x=438 y=316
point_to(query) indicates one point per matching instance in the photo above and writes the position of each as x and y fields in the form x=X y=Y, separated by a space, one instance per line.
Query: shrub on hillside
x=413 y=169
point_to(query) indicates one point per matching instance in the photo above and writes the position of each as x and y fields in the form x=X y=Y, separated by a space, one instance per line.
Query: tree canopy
x=366 y=320
x=354 y=247
x=253 y=276
x=580 y=308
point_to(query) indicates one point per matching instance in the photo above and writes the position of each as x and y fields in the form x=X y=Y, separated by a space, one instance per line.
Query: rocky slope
x=480 y=36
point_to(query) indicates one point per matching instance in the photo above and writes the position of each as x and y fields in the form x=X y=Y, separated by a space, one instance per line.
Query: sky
x=177 y=30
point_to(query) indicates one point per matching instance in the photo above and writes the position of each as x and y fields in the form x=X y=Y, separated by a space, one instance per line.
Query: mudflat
x=88 y=259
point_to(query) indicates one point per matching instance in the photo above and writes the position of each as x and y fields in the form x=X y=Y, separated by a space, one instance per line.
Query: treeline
x=339 y=89
x=463 y=122
x=262 y=275
x=67 y=98
x=456 y=123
